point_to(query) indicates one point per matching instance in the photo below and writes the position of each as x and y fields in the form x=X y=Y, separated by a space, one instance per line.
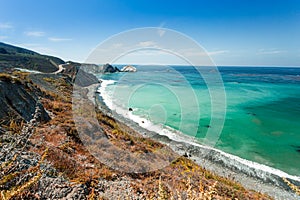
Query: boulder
x=128 y=68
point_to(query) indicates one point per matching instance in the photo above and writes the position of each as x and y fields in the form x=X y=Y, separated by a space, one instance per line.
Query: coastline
x=247 y=173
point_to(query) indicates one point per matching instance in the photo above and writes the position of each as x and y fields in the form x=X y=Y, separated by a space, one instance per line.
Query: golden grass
x=16 y=190
x=12 y=124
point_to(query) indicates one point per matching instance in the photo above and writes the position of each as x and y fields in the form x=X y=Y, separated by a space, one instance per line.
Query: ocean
x=259 y=113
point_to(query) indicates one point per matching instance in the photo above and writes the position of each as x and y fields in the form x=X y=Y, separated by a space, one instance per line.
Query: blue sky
x=234 y=32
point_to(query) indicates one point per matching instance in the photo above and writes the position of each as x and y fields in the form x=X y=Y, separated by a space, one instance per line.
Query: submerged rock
x=128 y=68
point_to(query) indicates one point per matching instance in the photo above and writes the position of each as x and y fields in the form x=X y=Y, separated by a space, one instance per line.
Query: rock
x=128 y=68
x=130 y=109
x=19 y=101
x=186 y=155
x=3 y=51
x=85 y=79
x=107 y=68
x=2 y=130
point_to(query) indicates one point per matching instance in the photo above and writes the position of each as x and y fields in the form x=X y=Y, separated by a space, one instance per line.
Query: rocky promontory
x=128 y=68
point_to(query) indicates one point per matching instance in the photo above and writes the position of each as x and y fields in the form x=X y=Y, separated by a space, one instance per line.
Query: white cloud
x=35 y=33
x=161 y=31
x=5 y=26
x=211 y=53
x=56 y=39
x=193 y=52
x=147 y=44
x=269 y=51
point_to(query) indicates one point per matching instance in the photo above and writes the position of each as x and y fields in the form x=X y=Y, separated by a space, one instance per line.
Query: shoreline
x=214 y=160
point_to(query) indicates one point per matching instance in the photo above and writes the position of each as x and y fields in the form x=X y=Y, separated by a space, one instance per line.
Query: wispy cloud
x=161 y=31
x=193 y=52
x=56 y=39
x=269 y=51
x=211 y=53
x=147 y=44
x=35 y=33
x=4 y=26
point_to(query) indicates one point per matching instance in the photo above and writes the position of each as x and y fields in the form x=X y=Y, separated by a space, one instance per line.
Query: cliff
x=18 y=99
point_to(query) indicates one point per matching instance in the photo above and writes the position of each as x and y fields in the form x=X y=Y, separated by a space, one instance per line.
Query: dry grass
x=17 y=190
x=5 y=77
x=12 y=124
x=295 y=188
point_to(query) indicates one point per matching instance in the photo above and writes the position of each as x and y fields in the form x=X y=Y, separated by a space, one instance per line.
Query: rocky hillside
x=11 y=56
x=18 y=99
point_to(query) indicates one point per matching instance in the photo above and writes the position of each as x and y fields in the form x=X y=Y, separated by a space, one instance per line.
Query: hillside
x=16 y=57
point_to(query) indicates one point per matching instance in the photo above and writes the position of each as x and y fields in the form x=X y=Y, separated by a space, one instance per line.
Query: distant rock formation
x=81 y=73
x=107 y=68
x=128 y=68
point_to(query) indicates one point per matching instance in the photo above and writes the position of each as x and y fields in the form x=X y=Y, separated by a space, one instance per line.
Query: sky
x=233 y=32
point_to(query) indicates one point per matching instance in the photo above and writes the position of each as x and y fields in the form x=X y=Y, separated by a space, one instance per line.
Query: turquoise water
x=262 y=107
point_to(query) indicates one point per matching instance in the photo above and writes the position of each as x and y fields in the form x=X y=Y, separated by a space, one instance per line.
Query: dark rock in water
x=208 y=126
x=296 y=147
x=107 y=68
x=130 y=109
x=143 y=122
x=253 y=114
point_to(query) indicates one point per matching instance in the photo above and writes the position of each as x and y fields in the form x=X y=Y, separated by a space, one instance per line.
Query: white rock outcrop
x=128 y=68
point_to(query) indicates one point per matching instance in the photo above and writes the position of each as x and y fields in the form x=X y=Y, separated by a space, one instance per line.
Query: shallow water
x=262 y=107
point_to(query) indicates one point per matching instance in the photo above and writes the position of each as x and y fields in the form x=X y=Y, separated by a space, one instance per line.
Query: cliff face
x=18 y=100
